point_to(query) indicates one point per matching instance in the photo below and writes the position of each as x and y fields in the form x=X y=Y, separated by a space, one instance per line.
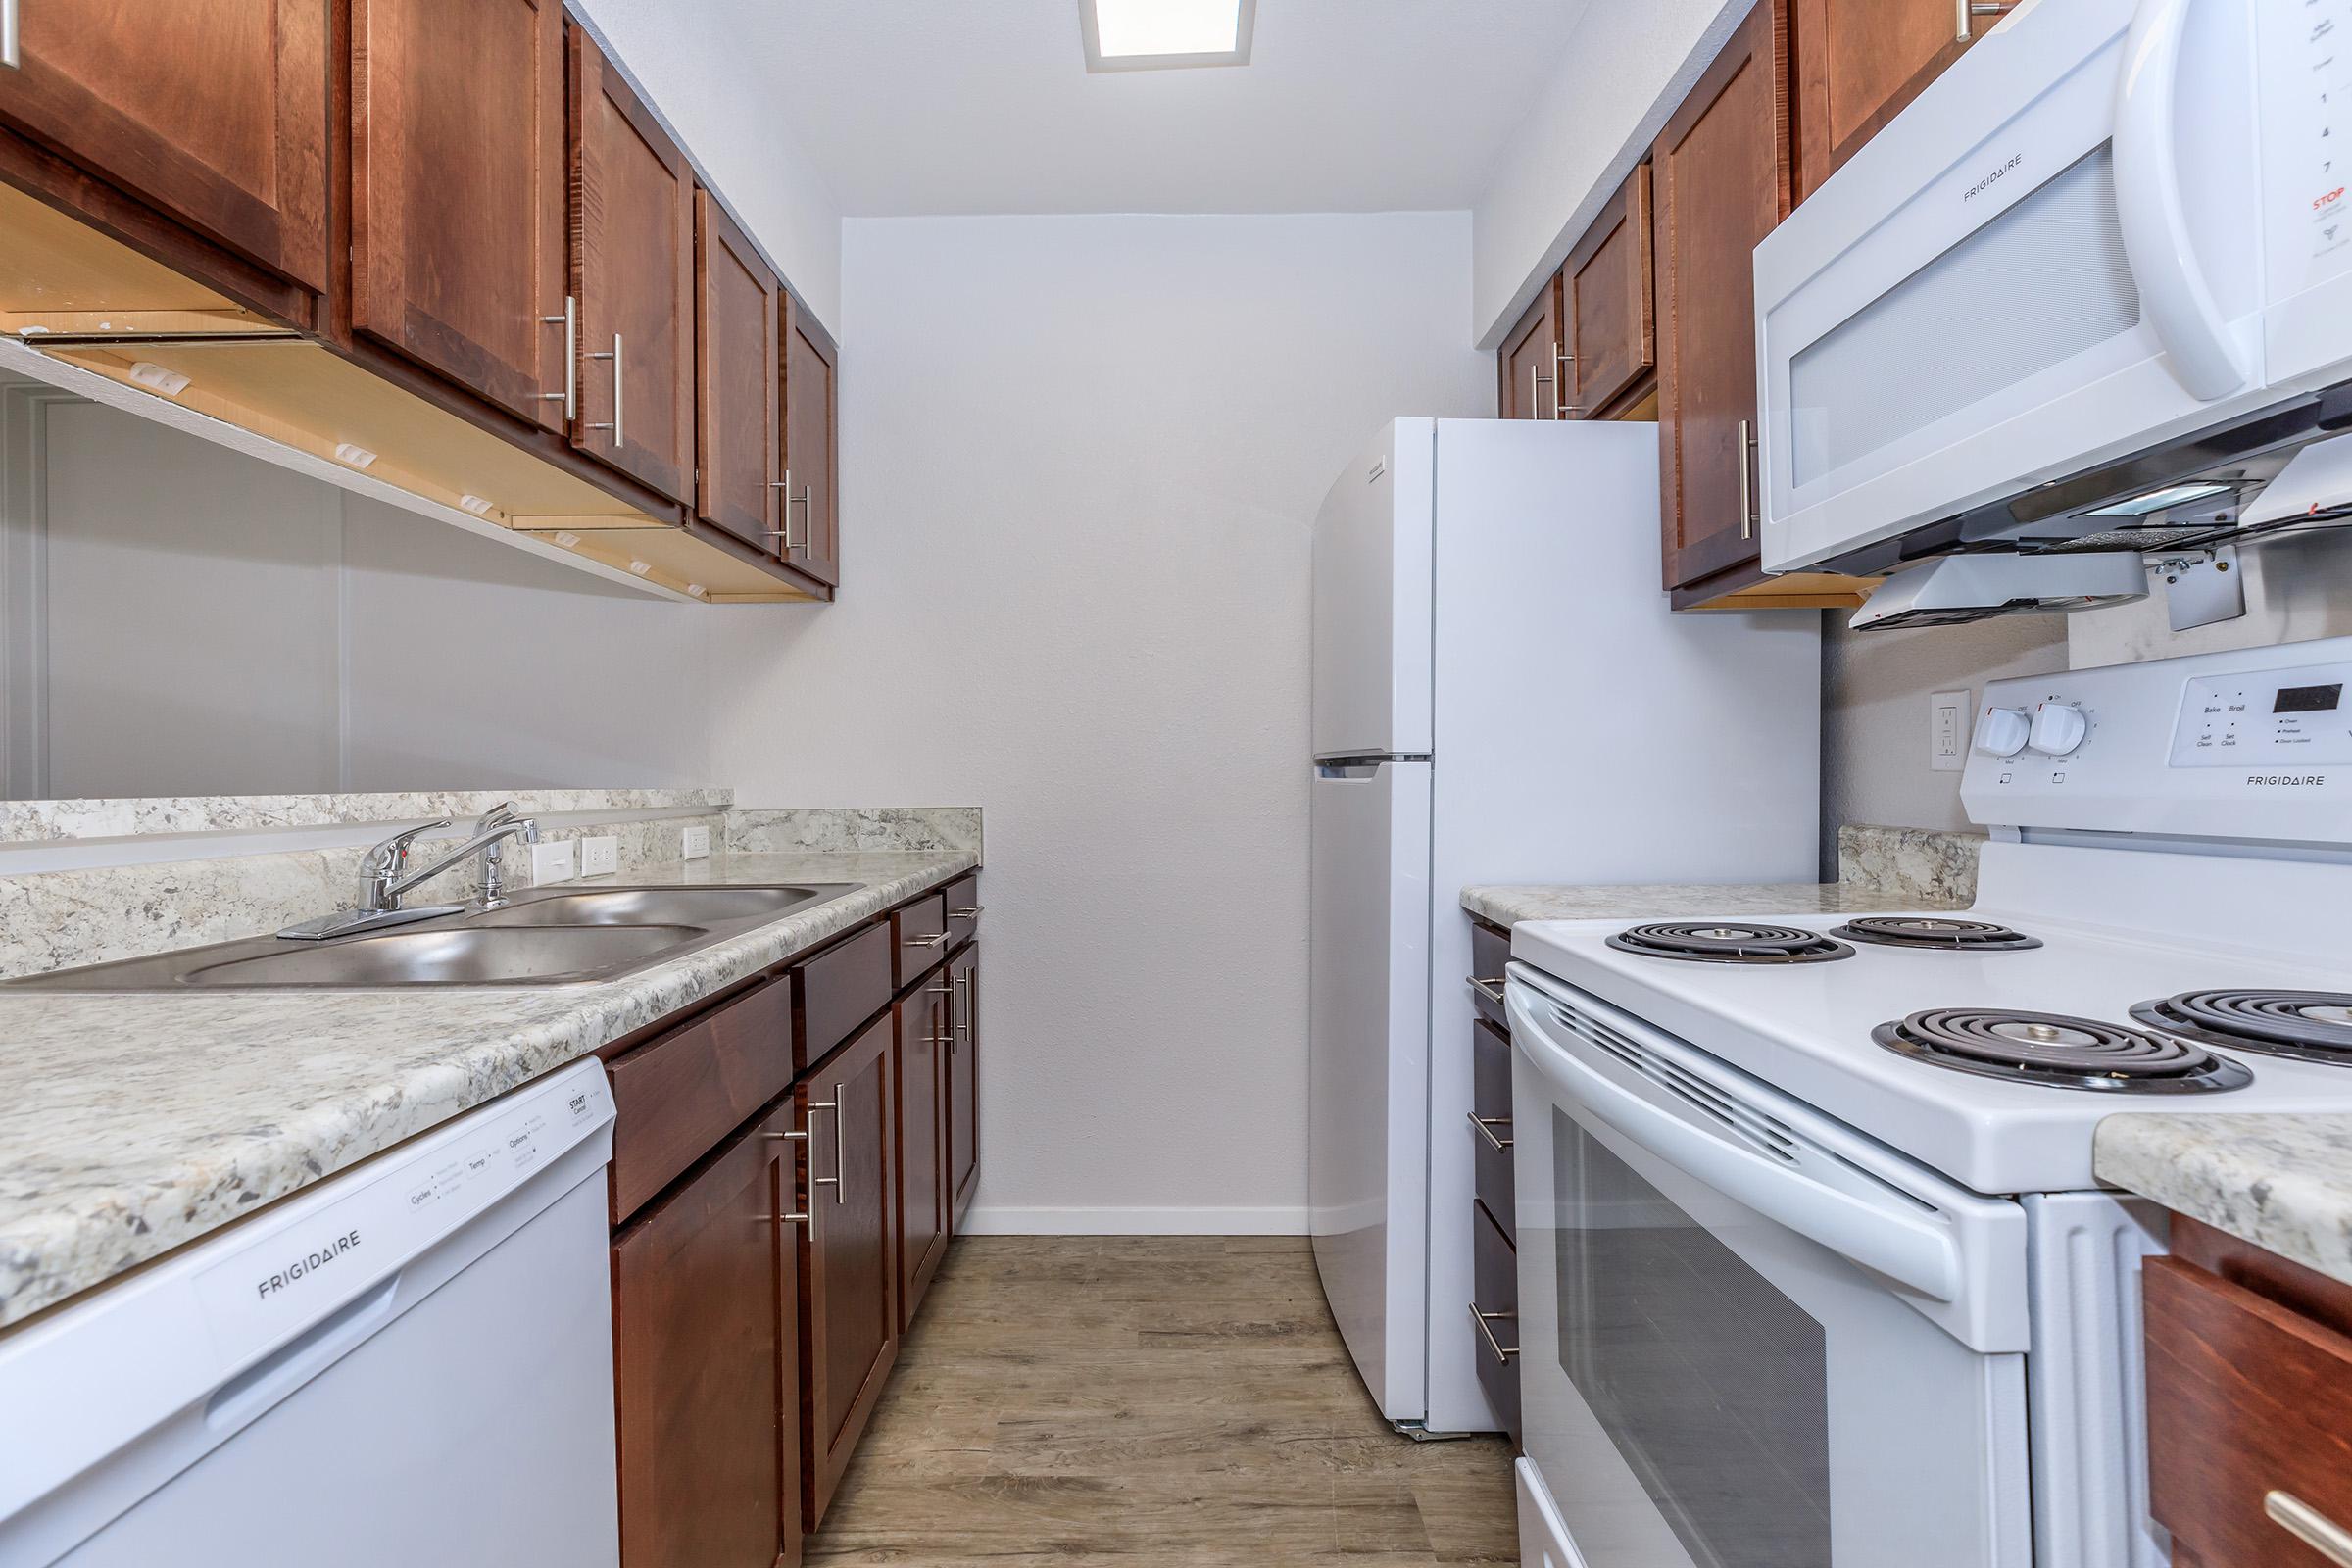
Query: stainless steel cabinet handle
x=1491 y=990
x=789 y=1219
x=801 y=1137
x=10 y=55
x=1482 y=1319
x=939 y=991
x=618 y=428
x=2311 y=1527
x=1535 y=379
x=1963 y=28
x=833 y=1181
x=569 y=321
x=972 y=913
x=963 y=1004
x=1486 y=1126
x=785 y=533
x=936 y=939
x=1747 y=499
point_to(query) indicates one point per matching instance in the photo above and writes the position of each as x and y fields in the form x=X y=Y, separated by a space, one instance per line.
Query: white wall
x=185 y=619
x=1081 y=459
x=722 y=95
x=1626 y=65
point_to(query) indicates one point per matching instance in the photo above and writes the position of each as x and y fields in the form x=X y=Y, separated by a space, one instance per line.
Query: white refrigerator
x=1501 y=695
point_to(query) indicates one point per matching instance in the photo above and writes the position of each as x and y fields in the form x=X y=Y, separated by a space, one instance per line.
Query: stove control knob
x=2058 y=728
x=2002 y=731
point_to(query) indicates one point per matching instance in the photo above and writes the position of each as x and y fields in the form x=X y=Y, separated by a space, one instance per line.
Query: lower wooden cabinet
x=963 y=1082
x=706 y=1297
x=849 y=1256
x=921 y=1079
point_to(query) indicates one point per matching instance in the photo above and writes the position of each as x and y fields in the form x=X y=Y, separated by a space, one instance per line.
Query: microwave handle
x=1887 y=1236
x=2173 y=288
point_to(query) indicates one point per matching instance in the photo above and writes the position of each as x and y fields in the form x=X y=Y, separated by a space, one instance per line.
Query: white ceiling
x=985 y=106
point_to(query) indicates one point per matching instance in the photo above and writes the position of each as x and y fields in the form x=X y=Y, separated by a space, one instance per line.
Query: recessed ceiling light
x=1165 y=34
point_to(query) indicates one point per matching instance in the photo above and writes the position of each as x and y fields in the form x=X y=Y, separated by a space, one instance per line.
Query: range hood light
x=358 y=456
x=2173 y=495
x=475 y=504
x=569 y=541
x=155 y=379
x=642 y=569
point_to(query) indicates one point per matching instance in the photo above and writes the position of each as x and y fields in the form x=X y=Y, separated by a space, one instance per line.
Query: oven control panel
x=2251 y=744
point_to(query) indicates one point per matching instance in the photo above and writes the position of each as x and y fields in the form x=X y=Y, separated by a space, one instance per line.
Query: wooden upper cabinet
x=457 y=192
x=632 y=273
x=1859 y=62
x=1529 y=363
x=705 y=1303
x=1607 y=305
x=1723 y=181
x=849 y=1259
x=214 y=112
x=810 y=372
x=736 y=390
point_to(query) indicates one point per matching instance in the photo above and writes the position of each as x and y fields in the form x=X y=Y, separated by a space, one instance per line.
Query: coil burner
x=2308 y=1025
x=1729 y=942
x=1942 y=932
x=2064 y=1052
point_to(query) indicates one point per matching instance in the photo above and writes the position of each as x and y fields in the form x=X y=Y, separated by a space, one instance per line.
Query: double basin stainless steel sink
x=546 y=936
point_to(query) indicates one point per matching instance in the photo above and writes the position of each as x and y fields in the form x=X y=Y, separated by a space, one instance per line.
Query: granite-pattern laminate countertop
x=132 y=1124
x=2281 y=1182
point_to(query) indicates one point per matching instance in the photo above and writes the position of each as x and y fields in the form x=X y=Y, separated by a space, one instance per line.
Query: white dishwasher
x=410 y=1363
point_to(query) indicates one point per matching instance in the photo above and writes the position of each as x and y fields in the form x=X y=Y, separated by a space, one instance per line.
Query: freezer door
x=1367 y=1154
x=1372 y=570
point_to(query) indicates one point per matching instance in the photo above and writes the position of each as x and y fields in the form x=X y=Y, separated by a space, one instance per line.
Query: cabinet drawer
x=918 y=937
x=838 y=990
x=1491 y=1123
x=2249 y=1420
x=964 y=910
x=1494 y=1267
x=678 y=1096
x=1490 y=954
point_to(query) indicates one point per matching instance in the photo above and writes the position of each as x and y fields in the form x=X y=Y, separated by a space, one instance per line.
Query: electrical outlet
x=698 y=844
x=600 y=855
x=553 y=862
x=1947 y=731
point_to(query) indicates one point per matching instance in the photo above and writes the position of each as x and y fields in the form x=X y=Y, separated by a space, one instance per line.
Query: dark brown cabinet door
x=1606 y=304
x=1859 y=62
x=457 y=192
x=849 y=1259
x=1721 y=169
x=705 y=1297
x=963 y=1081
x=811 y=446
x=1529 y=362
x=213 y=111
x=632 y=271
x=922 y=1138
x=735 y=386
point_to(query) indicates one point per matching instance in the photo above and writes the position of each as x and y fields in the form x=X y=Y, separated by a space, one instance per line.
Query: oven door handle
x=2153 y=215
x=1886 y=1237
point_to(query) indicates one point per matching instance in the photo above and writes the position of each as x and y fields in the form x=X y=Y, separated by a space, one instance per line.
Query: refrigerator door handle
x=1349 y=769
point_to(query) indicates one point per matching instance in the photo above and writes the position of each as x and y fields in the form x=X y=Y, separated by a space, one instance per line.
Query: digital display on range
x=2308 y=699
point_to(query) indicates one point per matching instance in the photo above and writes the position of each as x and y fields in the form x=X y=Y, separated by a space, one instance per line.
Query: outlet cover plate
x=600 y=855
x=1947 y=731
x=553 y=862
x=698 y=844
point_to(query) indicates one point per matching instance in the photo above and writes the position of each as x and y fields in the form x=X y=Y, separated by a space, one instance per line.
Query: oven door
x=1749 y=1336
x=2050 y=258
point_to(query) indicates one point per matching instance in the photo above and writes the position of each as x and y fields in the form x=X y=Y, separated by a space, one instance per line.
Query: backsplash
x=1911 y=866
x=49 y=822
x=919 y=829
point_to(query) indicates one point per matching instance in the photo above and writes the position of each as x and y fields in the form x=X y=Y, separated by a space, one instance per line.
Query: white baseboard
x=989 y=1221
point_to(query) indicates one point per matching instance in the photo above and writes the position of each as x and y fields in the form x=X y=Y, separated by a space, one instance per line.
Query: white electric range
x=1814 y=1269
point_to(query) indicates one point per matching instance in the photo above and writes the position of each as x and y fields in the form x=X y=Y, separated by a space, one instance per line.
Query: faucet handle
x=497 y=817
x=381 y=864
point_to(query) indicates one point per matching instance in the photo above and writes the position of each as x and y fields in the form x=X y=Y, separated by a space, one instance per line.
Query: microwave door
x=1713 y=1376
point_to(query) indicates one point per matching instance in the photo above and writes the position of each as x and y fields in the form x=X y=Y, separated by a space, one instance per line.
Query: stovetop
x=1811 y=1029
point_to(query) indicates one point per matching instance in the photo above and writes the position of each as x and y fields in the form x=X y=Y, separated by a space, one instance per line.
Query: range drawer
x=838 y=990
x=678 y=1096
x=1494 y=1269
x=963 y=908
x=918 y=938
x=1491 y=1123
x=2249 y=1423
x=1490 y=953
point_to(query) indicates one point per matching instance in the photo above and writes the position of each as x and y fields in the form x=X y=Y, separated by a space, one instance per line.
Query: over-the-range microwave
x=2089 y=291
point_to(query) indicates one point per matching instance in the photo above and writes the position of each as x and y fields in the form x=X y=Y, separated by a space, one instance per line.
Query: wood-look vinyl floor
x=1150 y=1403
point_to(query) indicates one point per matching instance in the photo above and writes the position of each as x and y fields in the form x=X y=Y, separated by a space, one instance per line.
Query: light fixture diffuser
x=1165 y=34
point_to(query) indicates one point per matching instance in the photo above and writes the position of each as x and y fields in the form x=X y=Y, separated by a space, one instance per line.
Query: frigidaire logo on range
x=2286 y=781
x=1985 y=185
x=327 y=1254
